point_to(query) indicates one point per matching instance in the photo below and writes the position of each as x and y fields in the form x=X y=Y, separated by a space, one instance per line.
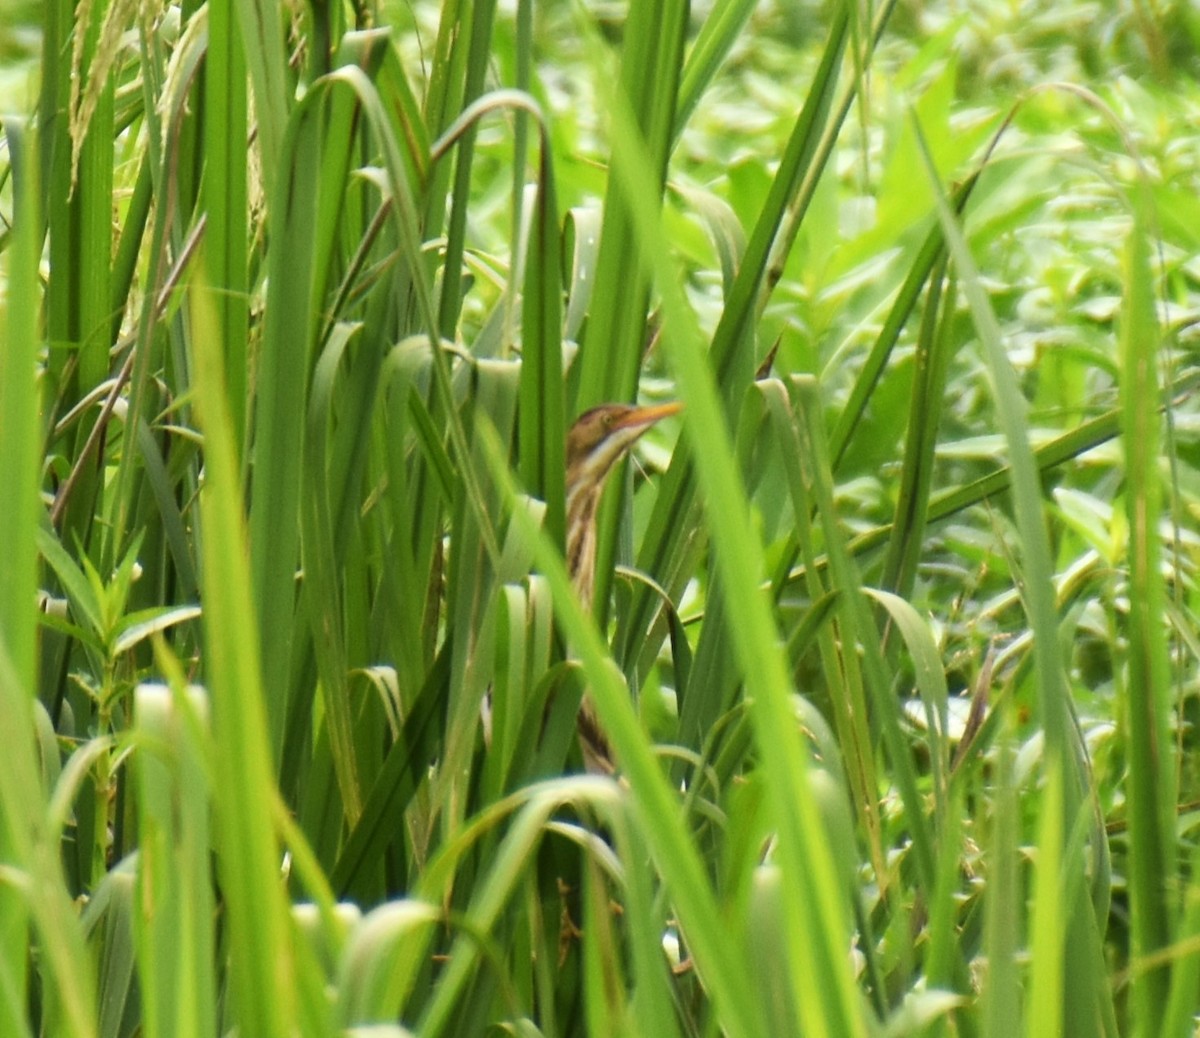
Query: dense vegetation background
x=895 y=630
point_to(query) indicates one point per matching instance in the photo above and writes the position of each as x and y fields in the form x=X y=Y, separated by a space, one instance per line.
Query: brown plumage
x=596 y=442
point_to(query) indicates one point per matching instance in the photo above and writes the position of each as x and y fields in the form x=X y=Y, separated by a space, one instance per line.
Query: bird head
x=595 y=443
x=601 y=436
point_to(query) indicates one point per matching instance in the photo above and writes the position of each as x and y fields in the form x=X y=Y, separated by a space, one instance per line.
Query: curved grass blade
x=542 y=433
x=322 y=592
x=721 y=966
x=404 y=768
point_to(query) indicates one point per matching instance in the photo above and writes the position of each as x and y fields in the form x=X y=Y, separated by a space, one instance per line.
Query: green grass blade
x=20 y=439
x=719 y=964
x=263 y=977
x=261 y=31
x=225 y=199
x=20 y=453
x=920 y=272
x=1048 y=456
x=175 y=940
x=35 y=879
x=1148 y=694
x=542 y=431
x=611 y=353
x=615 y=338
x=477 y=45
x=289 y=332
x=717 y=35
x=812 y=906
x=732 y=350
x=1064 y=742
x=1012 y=411
x=404 y=769
x=1047 y=918
x=857 y=625
x=839 y=655
x=322 y=594
x=916 y=478
x=1004 y=901
x=652 y=995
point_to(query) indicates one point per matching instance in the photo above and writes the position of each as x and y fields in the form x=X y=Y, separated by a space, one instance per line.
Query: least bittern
x=596 y=442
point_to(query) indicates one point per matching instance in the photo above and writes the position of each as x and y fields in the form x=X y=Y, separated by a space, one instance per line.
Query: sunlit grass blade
x=20 y=452
x=1185 y=973
x=811 y=907
x=175 y=941
x=368 y=987
x=714 y=678
x=34 y=876
x=20 y=439
x=259 y=929
x=1048 y=920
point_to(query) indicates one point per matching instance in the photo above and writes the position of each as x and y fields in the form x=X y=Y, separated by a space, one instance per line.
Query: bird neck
x=581 y=540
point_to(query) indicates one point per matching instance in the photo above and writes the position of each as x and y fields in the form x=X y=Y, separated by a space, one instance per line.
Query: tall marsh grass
x=893 y=634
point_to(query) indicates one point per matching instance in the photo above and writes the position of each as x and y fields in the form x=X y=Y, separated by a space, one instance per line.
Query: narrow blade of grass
x=1152 y=767
x=263 y=977
x=175 y=940
x=20 y=452
x=818 y=958
x=1065 y=748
